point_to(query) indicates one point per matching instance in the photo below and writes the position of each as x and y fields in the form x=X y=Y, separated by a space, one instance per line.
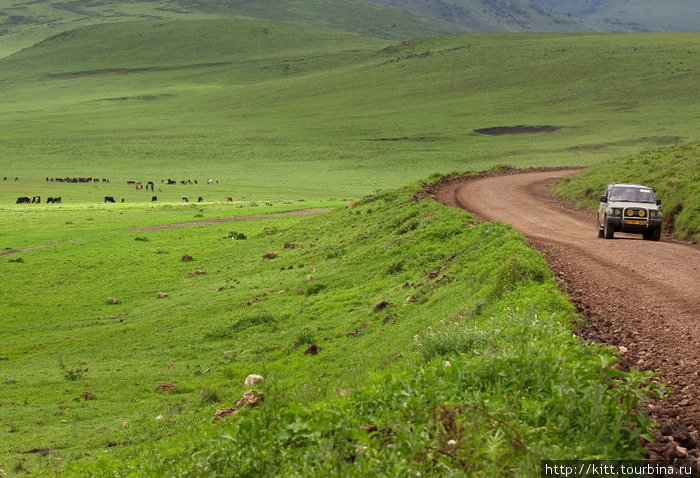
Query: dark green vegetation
x=385 y=292
x=673 y=173
x=277 y=111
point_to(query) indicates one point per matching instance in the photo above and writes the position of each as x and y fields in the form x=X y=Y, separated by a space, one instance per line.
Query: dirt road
x=641 y=296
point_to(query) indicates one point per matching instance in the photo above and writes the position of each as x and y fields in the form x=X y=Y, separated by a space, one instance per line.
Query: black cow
x=172 y=181
x=24 y=200
x=154 y=198
x=200 y=199
x=109 y=198
x=51 y=200
x=184 y=199
x=151 y=185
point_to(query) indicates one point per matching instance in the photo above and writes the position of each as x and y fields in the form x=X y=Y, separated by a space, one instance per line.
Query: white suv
x=629 y=208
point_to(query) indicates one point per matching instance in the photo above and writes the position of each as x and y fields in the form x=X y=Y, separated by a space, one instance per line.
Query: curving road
x=641 y=296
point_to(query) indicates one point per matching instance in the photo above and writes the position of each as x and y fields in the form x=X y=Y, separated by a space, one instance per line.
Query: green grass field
x=391 y=285
x=277 y=111
x=282 y=118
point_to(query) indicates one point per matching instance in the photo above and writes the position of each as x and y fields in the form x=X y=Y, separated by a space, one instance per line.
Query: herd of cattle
x=138 y=184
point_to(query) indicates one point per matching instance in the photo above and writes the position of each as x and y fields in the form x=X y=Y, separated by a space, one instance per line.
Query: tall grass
x=478 y=374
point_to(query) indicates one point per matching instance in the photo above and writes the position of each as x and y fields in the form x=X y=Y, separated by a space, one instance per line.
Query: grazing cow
x=109 y=198
x=154 y=198
x=210 y=181
x=184 y=199
x=24 y=200
x=57 y=200
x=49 y=200
x=52 y=200
x=172 y=181
x=105 y=180
x=122 y=199
x=200 y=199
x=151 y=185
x=16 y=179
x=5 y=178
x=229 y=199
x=36 y=199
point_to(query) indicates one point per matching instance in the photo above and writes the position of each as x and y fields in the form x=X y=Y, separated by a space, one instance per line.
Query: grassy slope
x=673 y=173
x=477 y=291
x=261 y=105
x=25 y=23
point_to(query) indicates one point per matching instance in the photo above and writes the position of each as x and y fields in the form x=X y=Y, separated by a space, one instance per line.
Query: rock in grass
x=165 y=387
x=112 y=300
x=250 y=398
x=253 y=378
x=381 y=306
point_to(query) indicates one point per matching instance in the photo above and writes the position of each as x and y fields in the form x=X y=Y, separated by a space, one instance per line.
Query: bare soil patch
x=519 y=129
x=639 y=296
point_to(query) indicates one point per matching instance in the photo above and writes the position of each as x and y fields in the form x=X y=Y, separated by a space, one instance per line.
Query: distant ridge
x=25 y=23
x=632 y=15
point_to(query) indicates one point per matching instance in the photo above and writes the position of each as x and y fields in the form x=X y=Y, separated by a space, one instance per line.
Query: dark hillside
x=493 y=15
x=639 y=15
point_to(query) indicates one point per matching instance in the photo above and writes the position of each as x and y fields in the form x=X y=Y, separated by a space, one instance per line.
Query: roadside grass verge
x=673 y=172
x=398 y=336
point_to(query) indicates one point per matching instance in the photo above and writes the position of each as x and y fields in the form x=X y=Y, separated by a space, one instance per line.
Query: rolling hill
x=24 y=23
x=278 y=109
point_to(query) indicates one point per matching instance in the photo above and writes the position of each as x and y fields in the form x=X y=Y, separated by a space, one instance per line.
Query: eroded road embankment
x=641 y=296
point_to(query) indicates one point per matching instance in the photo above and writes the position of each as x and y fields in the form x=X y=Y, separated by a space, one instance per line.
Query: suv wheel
x=608 y=232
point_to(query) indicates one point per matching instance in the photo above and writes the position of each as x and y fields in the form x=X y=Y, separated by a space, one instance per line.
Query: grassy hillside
x=25 y=23
x=368 y=301
x=673 y=173
x=282 y=112
x=639 y=15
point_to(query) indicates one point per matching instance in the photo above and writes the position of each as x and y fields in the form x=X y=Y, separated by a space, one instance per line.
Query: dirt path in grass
x=257 y=217
x=640 y=296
